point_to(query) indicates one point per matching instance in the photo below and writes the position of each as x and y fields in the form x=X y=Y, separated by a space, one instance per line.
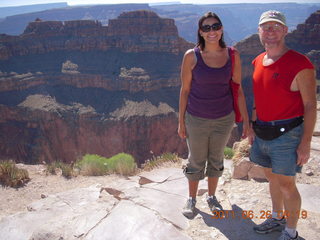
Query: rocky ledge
x=137 y=31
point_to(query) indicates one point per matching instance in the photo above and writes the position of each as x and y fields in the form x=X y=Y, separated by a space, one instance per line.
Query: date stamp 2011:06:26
x=250 y=214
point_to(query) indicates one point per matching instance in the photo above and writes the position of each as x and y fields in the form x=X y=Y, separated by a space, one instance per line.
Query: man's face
x=272 y=34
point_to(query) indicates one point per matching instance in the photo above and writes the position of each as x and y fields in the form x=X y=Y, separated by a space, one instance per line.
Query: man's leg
x=275 y=192
x=291 y=199
x=276 y=222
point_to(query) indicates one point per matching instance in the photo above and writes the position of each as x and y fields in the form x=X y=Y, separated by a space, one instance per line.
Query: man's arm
x=306 y=84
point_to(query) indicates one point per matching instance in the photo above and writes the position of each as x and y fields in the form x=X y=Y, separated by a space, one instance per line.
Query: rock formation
x=76 y=87
x=137 y=31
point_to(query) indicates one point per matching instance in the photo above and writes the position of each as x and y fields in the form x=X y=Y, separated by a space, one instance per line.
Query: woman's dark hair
x=201 y=42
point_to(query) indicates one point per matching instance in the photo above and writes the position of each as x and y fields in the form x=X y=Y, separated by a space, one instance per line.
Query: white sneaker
x=189 y=209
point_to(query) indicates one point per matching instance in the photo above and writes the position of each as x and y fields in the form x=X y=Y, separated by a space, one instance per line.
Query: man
x=284 y=116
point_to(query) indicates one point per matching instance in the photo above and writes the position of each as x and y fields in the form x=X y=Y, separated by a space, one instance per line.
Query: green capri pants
x=206 y=139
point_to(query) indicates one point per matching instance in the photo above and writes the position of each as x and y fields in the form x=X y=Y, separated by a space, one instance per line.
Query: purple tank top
x=210 y=95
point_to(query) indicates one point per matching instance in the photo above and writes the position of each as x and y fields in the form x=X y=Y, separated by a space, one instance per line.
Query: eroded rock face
x=137 y=31
x=76 y=87
x=42 y=130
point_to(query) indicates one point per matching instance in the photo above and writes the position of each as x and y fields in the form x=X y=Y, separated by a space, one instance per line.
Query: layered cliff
x=137 y=31
x=86 y=54
x=76 y=87
x=41 y=130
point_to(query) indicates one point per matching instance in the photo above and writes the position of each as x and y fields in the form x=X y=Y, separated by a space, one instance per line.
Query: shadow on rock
x=236 y=224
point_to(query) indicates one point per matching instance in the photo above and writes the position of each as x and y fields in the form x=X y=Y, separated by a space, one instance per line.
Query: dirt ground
x=41 y=184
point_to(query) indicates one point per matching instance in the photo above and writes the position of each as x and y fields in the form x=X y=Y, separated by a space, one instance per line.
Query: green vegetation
x=95 y=165
x=156 y=162
x=11 y=176
x=228 y=153
x=66 y=169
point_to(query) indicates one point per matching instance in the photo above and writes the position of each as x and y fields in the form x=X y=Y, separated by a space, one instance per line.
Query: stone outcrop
x=246 y=170
x=307 y=35
x=76 y=87
x=137 y=31
x=86 y=54
x=42 y=130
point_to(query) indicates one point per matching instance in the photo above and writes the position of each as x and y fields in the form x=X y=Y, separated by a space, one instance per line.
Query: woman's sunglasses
x=214 y=27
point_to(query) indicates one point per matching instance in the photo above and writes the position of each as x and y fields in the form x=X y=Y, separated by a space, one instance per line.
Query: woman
x=206 y=114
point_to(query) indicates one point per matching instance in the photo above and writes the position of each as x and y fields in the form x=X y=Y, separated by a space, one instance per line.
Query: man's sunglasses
x=214 y=27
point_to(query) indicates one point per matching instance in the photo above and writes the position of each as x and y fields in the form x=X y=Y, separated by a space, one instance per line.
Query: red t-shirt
x=271 y=86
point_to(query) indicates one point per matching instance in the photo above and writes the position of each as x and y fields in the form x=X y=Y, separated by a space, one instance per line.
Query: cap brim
x=271 y=20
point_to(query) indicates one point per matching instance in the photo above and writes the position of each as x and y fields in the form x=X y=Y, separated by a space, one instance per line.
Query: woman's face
x=211 y=30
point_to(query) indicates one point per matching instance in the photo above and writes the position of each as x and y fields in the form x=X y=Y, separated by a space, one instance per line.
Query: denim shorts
x=279 y=154
x=206 y=139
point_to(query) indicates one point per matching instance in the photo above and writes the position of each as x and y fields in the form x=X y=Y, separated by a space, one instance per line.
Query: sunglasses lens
x=215 y=27
x=205 y=28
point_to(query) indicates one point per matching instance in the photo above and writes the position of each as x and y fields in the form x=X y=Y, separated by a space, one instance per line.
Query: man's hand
x=303 y=152
x=251 y=135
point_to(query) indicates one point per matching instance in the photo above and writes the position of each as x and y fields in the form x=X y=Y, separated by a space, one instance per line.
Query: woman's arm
x=187 y=65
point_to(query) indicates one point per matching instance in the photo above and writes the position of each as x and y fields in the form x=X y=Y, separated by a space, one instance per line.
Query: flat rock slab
x=122 y=210
x=68 y=215
x=131 y=221
x=310 y=197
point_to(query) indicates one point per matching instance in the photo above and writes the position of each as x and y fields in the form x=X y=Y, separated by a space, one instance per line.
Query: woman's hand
x=182 y=130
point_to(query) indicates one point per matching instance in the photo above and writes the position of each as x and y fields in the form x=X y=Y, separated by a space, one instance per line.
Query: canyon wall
x=77 y=87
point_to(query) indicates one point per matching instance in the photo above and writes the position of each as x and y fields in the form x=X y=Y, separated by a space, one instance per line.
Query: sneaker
x=285 y=236
x=213 y=203
x=189 y=209
x=270 y=225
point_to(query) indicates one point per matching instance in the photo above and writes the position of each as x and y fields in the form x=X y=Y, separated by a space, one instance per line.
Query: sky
x=7 y=3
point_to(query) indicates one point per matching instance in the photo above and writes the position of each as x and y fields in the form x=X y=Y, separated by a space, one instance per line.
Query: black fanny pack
x=270 y=132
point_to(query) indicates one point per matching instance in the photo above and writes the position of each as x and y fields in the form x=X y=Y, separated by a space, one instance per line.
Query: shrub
x=66 y=169
x=51 y=167
x=241 y=149
x=12 y=176
x=161 y=160
x=228 y=153
x=92 y=165
x=122 y=163
x=95 y=165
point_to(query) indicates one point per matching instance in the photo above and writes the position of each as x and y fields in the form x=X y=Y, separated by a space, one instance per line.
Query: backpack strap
x=234 y=88
x=231 y=52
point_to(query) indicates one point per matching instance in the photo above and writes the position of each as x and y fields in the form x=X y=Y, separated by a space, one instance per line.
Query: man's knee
x=287 y=184
x=271 y=177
